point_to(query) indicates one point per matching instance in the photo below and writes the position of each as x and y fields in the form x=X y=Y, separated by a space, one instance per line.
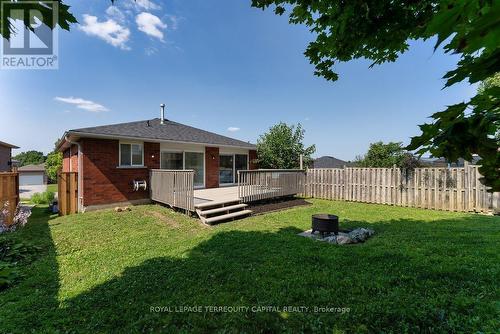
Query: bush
x=43 y=198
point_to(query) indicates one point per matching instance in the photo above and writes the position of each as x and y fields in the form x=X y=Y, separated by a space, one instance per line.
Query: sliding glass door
x=186 y=160
x=226 y=169
x=196 y=161
x=229 y=166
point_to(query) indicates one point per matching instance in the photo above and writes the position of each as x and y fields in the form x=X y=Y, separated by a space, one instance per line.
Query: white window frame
x=141 y=144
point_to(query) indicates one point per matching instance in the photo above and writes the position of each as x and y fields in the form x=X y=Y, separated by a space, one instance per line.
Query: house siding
x=5 y=157
x=105 y=183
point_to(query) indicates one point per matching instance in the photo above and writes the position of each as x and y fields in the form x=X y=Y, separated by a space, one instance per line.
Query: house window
x=131 y=155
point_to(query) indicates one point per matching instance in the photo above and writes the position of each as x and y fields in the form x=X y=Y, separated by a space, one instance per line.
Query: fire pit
x=325 y=223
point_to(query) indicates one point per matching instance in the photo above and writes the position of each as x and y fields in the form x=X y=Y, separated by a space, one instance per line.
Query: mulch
x=277 y=205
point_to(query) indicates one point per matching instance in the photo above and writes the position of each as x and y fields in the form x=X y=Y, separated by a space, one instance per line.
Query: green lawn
x=52 y=187
x=423 y=271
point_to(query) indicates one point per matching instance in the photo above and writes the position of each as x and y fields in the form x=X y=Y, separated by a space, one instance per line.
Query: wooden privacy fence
x=173 y=187
x=9 y=194
x=67 y=193
x=260 y=184
x=451 y=189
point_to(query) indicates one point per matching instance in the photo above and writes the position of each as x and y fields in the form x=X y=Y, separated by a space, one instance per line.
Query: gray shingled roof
x=2 y=143
x=32 y=168
x=171 y=131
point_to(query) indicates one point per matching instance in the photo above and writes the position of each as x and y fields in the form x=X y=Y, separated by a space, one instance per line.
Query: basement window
x=131 y=155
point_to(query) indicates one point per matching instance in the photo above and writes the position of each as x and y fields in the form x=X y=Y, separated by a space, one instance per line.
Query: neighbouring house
x=32 y=175
x=330 y=162
x=442 y=162
x=109 y=158
x=6 y=156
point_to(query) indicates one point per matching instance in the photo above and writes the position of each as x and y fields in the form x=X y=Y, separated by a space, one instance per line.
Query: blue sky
x=218 y=65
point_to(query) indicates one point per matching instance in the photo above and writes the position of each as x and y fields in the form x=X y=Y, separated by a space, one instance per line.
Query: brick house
x=6 y=156
x=109 y=158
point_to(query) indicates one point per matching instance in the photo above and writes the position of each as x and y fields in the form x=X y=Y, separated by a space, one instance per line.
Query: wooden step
x=223 y=209
x=215 y=203
x=232 y=215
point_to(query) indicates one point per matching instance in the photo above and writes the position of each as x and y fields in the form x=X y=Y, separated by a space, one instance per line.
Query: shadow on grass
x=408 y=278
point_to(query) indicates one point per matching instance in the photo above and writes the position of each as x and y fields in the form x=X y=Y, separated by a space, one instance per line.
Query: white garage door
x=31 y=179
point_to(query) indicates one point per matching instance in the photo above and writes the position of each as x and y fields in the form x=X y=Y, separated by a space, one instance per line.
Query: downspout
x=79 y=190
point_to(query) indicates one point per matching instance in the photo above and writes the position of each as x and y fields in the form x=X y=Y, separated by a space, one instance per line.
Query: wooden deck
x=223 y=194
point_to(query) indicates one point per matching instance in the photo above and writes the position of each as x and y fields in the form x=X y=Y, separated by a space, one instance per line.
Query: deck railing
x=261 y=184
x=173 y=187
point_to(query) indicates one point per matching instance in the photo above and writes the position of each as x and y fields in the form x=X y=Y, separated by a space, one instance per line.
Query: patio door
x=196 y=161
x=226 y=169
x=229 y=165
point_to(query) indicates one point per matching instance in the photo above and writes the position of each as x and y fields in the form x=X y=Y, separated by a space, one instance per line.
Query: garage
x=32 y=175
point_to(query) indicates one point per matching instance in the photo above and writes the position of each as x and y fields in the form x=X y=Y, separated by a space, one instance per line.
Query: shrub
x=43 y=198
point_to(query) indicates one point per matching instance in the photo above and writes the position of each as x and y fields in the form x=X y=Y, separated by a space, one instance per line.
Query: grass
x=52 y=187
x=423 y=271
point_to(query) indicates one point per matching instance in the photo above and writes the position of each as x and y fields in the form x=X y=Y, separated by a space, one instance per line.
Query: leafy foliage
x=386 y=156
x=30 y=158
x=46 y=197
x=282 y=146
x=42 y=11
x=53 y=164
x=11 y=253
x=380 y=30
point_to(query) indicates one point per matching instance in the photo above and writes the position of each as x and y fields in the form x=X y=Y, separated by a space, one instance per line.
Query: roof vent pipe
x=162 y=113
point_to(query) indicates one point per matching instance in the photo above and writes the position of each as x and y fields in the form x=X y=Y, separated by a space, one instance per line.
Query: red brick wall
x=211 y=167
x=252 y=156
x=103 y=182
x=70 y=154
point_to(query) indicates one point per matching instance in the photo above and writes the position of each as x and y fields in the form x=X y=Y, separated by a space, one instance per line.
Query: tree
x=30 y=158
x=380 y=30
x=387 y=155
x=53 y=164
x=282 y=146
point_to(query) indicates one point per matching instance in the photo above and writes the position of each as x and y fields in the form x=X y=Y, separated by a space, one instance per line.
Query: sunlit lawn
x=423 y=271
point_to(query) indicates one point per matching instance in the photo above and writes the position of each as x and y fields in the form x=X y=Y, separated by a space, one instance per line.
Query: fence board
x=67 y=193
x=9 y=194
x=449 y=189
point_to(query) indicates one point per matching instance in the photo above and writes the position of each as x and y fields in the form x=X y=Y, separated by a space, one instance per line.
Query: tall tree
x=53 y=164
x=380 y=30
x=30 y=158
x=387 y=155
x=282 y=146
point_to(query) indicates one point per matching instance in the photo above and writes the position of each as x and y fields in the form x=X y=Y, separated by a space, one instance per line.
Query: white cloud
x=82 y=104
x=150 y=24
x=110 y=31
x=116 y=14
x=145 y=4
x=233 y=129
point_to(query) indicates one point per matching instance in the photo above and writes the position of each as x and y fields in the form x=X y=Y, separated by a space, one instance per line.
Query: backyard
x=423 y=271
